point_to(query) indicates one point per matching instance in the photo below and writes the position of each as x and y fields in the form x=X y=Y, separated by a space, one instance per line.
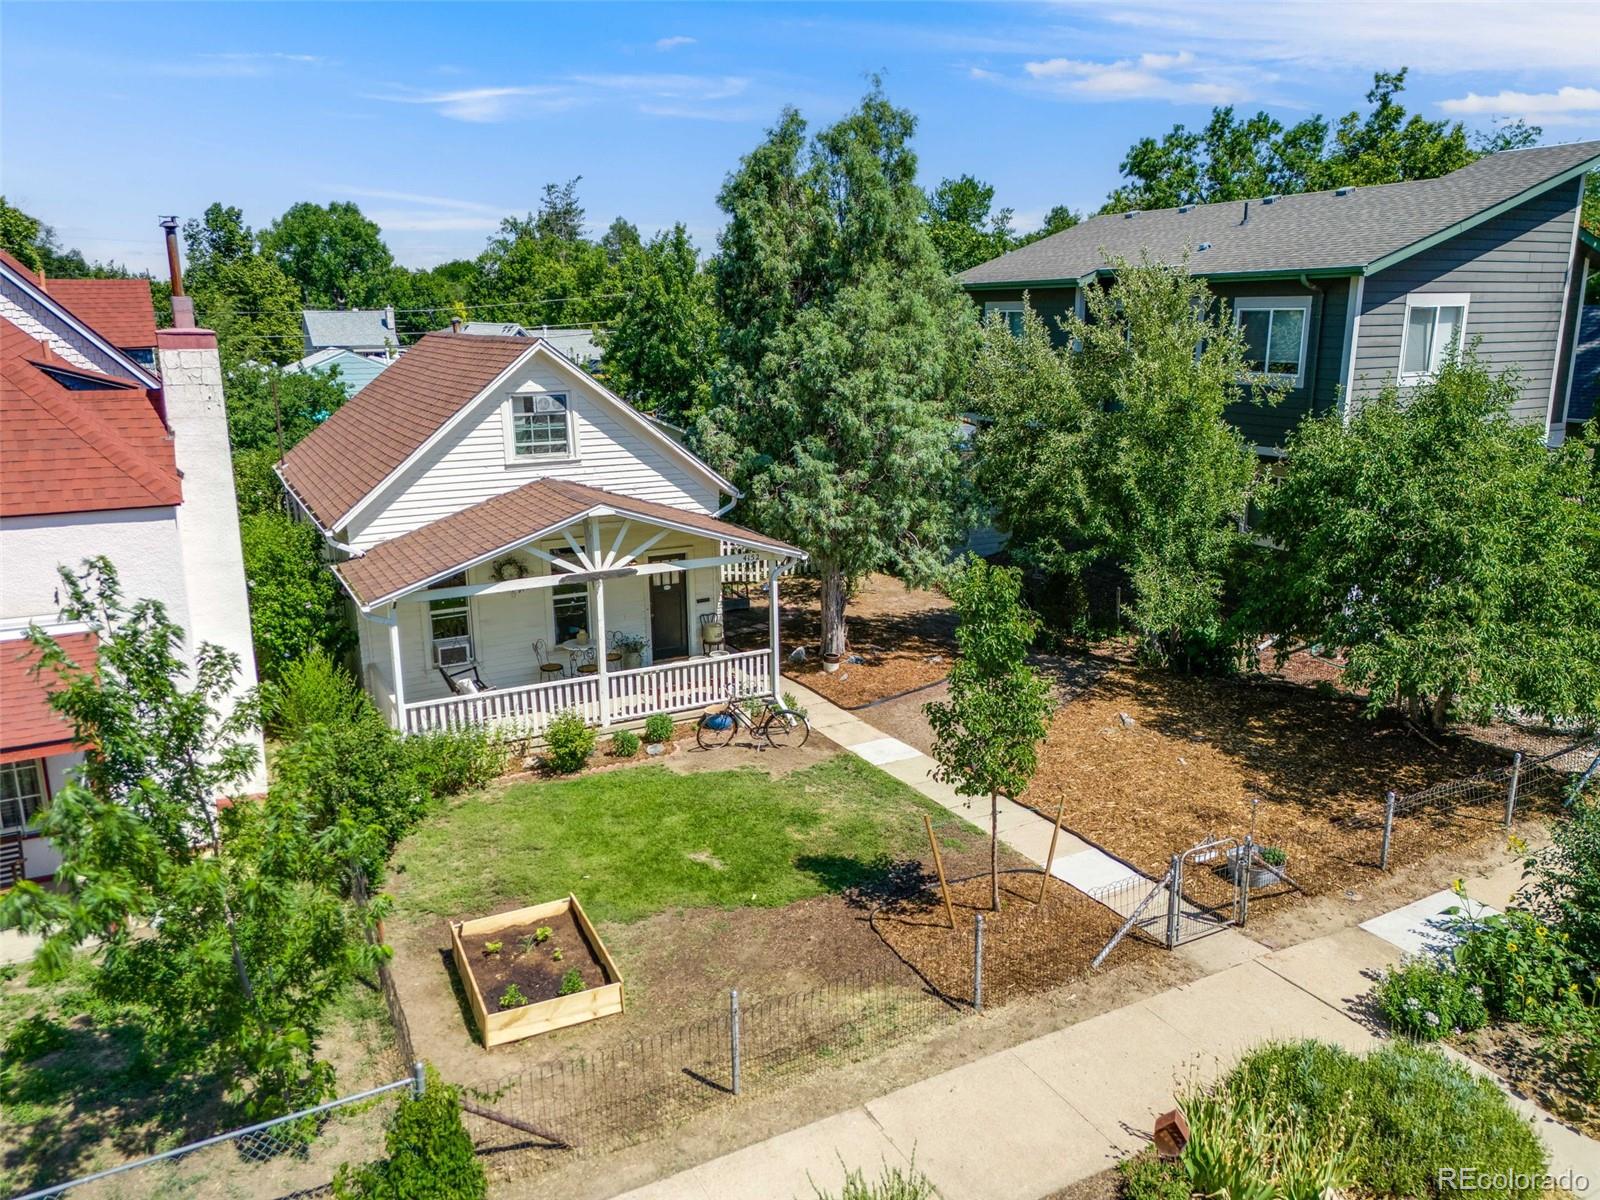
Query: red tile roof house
x=104 y=454
x=517 y=541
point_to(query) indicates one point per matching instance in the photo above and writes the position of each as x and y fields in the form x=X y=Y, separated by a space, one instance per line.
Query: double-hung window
x=449 y=626
x=571 y=604
x=1433 y=330
x=21 y=794
x=1274 y=330
x=539 y=427
x=1009 y=311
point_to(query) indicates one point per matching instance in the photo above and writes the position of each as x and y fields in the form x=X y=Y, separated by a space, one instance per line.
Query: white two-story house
x=518 y=541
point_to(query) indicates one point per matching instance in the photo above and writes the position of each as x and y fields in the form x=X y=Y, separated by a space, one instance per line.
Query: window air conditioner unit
x=452 y=652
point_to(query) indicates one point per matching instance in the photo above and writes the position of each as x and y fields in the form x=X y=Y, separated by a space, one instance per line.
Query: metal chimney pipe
x=455 y=324
x=174 y=263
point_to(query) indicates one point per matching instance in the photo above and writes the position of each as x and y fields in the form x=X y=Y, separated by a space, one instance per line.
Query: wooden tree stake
x=1049 y=859
x=938 y=863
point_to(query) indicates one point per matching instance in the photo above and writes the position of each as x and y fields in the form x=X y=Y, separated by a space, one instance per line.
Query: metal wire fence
x=602 y=1100
x=291 y=1156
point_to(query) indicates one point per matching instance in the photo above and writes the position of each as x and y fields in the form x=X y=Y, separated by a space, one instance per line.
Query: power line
x=258 y=312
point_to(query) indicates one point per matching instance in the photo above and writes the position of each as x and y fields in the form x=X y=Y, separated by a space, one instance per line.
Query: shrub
x=295 y=601
x=1521 y=965
x=658 y=728
x=314 y=690
x=793 y=704
x=892 y=1183
x=572 y=983
x=1149 y=1177
x=1426 y=1000
x=568 y=742
x=430 y=1154
x=1409 y=1112
x=449 y=762
x=624 y=743
x=1564 y=887
x=1253 y=1148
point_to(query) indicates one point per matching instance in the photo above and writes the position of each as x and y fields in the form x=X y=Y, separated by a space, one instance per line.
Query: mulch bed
x=1517 y=1055
x=1027 y=946
x=905 y=637
x=1152 y=763
x=533 y=966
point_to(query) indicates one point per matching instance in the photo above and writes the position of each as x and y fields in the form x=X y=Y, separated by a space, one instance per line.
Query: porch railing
x=669 y=687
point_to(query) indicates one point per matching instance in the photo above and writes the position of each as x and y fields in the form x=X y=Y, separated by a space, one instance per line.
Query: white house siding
x=40 y=857
x=470 y=466
x=1514 y=267
x=36 y=319
x=505 y=626
x=142 y=543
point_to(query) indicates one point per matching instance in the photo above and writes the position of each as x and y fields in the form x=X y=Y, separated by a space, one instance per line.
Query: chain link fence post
x=977 y=965
x=1388 y=829
x=1174 y=901
x=733 y=1037
x=1511 y=788
x=419 y=1079
x=1247 y=858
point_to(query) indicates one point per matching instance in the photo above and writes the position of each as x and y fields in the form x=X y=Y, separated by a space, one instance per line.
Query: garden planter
x=830 y=662
x=631 y=660
x=531 y=967
x=1261 y=875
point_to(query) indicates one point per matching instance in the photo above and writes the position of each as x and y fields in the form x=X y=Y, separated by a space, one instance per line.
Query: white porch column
x=398 y=667
x=772 y=629
x=601 y=666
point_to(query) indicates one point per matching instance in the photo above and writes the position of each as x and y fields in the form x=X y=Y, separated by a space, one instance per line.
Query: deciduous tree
x=334 y=253
x=659 y=353
x=295 y=601
x=1437 y=545
x=242 y=294
x=844 y=346
x=964 y=225
x=987 y=734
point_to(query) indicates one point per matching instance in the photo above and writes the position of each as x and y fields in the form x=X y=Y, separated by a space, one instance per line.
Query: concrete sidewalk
x=1033 y=1119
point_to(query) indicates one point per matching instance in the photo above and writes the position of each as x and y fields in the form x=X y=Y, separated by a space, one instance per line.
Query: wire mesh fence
x=1494 y=795
x=292 y=1156
x=605 y=1099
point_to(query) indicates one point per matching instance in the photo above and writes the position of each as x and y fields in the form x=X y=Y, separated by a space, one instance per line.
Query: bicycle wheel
x=786 y=728
x=710 y=736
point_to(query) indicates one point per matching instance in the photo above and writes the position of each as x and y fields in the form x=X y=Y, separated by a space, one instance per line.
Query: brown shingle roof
x=380 y=427
x=448 y=544
x=119 y=310
x=29 y=727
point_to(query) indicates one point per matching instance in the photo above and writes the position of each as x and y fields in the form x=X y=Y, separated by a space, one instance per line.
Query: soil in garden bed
x=532 y=966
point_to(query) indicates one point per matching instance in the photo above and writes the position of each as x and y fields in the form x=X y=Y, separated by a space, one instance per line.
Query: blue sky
x=439 y=119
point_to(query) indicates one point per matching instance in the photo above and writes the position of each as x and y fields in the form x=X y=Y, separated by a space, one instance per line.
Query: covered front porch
x=558 y=598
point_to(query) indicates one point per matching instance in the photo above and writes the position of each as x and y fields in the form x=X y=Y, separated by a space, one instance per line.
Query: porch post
x=398 y=668
x=601 y=666
x=772 y=628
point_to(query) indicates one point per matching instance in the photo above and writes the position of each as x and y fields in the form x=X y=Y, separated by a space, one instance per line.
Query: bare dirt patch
x=535 y=957
x=1535 y=1070
x=904 y=636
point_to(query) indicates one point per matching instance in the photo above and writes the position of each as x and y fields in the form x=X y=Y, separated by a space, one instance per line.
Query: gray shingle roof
x=1313 y=231
x=357 y=328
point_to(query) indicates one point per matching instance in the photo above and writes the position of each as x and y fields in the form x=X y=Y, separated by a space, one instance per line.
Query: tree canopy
x=1443 y=550
x=1237 y=158
x=334 y=253
x=825 y=261
x=240 y=292
x=964 y=225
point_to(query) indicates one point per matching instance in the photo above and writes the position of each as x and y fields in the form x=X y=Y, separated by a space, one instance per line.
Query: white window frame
x=509 y=425
x=460 y=607
x=40 y=797
x=1434 y=300
x=1244 y=304
x=1004 y=308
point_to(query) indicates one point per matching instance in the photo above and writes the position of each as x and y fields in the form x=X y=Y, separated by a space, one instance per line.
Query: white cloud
x=682 y=94
x=672 y=43
x=1175 y=77
x=1444 y=36
x=671 y=87
x=420 y=212
x=488 y=104
x=240 y=64
x=1550 y=108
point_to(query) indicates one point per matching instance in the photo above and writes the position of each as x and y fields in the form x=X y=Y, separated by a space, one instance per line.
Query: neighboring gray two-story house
x=1342 y=293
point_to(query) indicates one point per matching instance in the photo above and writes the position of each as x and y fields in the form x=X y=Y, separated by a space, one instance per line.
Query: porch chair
x=464 y=680
x=584 y=657
x=613 y=647
x=549 y=669
x=713 y=635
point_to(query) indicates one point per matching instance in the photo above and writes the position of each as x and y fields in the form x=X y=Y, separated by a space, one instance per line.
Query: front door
x=669 y=611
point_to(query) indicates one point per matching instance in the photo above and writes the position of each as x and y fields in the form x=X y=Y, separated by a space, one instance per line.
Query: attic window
x=75 y=382
x=538 y=427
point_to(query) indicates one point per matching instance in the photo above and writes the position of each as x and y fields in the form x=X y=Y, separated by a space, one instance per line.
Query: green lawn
x=634 y=842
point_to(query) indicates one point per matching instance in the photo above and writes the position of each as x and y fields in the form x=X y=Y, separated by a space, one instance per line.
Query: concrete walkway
x=1033 y=1119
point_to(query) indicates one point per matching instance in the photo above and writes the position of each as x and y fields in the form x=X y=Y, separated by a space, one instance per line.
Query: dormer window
x=539 y=428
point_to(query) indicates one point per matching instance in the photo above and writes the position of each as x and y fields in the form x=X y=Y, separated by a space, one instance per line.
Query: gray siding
x=1515 y=268
x=1270 y=425
x=1052 y=305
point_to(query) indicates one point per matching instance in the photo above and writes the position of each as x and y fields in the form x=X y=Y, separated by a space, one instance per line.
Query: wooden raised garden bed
x=522 y=969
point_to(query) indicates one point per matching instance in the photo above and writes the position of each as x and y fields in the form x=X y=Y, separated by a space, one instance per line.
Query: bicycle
x=775 y=725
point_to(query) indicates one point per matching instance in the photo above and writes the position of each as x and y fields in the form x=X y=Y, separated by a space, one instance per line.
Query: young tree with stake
x=987 y=734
